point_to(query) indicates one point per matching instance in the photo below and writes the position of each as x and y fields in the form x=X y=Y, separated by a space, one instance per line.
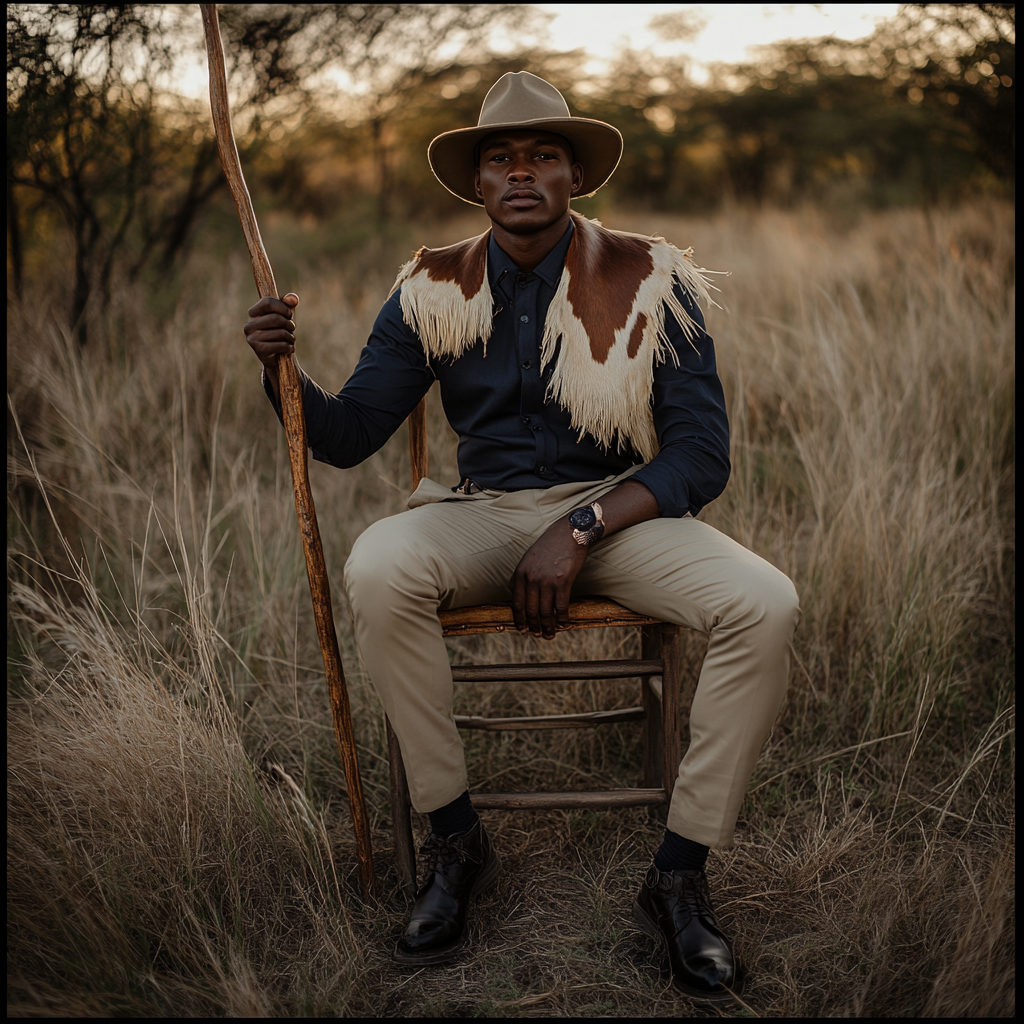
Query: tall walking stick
x=295 y=432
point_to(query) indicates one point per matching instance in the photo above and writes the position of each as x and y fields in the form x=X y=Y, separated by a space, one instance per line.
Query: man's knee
x=384 y=557
x=770 y=600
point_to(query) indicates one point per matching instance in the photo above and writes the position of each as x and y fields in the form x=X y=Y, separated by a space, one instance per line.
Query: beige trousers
x=450 y=550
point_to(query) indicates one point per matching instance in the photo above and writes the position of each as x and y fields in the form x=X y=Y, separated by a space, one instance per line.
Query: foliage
x=915 y=113
x=919 y=99
x=82 y=132
x=334 y=106
x=96 y=137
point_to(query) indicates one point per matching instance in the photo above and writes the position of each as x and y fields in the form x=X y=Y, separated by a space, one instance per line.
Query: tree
x=959 y=60
x=95 y=133
x=930 y=92
x=922 y=108
x=80 y=118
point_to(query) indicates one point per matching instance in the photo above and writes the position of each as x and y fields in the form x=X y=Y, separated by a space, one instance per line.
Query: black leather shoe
x=458 y=868
x=675 y=907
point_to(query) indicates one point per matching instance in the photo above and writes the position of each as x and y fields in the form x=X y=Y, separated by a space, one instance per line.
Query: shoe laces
x=443 y=852
x=692 y=891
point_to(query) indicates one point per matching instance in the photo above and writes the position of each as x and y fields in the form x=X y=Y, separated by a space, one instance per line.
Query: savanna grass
x=178 y=837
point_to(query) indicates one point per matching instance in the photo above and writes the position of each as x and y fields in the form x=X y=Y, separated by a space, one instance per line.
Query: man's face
x=526 y=178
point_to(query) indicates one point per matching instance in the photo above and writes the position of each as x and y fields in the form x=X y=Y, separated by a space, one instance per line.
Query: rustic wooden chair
x=661 y=708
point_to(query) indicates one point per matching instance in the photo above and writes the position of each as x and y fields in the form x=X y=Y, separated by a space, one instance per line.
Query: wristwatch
x=587 y=524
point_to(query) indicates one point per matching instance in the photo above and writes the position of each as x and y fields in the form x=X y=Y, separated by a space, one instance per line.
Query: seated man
x=574 y=367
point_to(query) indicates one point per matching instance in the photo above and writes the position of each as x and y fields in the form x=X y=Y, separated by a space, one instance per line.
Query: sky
x=730 y=29
x=728 y=33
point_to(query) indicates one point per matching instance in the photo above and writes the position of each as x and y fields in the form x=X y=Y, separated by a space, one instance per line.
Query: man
x=574 y=367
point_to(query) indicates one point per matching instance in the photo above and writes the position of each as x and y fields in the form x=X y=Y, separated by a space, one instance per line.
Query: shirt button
x=526 y=364
x=536 y=426
x=542 y=470
x=525 y=319
x=526 y=419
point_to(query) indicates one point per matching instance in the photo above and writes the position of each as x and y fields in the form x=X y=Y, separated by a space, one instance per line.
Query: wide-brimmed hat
x=521 y=100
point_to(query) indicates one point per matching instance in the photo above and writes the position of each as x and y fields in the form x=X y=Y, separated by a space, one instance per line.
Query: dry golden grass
x=178 y=840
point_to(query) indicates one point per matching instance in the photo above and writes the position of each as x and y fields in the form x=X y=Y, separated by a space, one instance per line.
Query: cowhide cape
x=608 y=313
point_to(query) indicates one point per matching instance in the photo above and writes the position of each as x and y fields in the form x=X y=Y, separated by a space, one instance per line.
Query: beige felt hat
x=522 y=100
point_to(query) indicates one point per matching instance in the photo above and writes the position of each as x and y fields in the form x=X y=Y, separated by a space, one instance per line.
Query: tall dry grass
x=178 y=839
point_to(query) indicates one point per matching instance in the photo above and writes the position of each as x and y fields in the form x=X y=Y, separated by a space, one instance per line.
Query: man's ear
x=577 y=178
x=476 y=184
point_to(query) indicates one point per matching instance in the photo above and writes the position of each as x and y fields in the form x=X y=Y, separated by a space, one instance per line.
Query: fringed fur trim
x=445 y=297
x=605 y=327
x=607 y=324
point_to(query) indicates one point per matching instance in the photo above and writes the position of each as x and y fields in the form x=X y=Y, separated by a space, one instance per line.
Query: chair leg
x=671 y=686
x=405 y=853
x=654 y=742
x=650 y=648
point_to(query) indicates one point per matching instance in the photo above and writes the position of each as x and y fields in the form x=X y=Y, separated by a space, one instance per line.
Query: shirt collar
x=549 y=270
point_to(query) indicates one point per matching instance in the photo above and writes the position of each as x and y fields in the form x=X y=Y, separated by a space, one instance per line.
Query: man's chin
x=527 y=222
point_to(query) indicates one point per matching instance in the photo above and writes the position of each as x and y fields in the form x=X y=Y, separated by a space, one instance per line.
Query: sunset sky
x=602 y=29
x=729 y=30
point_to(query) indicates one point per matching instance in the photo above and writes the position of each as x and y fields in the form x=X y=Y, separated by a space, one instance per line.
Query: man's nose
x=520 y=170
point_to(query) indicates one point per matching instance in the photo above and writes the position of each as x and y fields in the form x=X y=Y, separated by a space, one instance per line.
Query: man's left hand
x=542 y=583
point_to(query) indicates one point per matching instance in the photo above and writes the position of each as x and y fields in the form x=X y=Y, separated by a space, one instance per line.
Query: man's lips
x=522 y=198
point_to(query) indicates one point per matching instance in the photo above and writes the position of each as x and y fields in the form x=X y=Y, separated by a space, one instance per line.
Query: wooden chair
x=661 y=698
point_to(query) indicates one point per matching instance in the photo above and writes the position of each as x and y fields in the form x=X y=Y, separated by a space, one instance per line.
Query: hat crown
x=519 y=96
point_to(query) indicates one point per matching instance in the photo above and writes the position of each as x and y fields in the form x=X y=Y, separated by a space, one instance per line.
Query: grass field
x=178 y=835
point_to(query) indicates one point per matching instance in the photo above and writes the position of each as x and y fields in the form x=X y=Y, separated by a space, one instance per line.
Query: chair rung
x=626 y=669
x=580 y=720
x=593 y=798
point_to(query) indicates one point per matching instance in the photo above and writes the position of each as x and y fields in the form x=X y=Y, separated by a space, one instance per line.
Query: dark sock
x=679 y=854
x=458 y=816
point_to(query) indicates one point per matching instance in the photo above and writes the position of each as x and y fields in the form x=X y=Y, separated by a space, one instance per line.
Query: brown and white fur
x=606 y=323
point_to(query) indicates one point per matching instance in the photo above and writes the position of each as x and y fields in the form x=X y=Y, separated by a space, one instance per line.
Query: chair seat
x=586 y=613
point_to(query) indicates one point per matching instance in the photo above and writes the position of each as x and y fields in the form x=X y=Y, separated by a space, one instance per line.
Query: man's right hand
x=270 y=332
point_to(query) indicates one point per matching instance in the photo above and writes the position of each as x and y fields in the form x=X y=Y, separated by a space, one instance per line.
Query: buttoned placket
x=528 y=326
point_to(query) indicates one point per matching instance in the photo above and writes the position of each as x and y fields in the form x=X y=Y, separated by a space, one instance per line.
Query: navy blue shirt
x=509 y=437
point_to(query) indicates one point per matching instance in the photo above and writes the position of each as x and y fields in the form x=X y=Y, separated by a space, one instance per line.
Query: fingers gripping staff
x=295 y=431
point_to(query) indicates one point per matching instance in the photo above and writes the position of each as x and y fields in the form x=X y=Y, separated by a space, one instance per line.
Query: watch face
x=583 y=518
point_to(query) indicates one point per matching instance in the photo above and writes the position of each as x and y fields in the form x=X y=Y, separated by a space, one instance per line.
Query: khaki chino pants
x=449 y=550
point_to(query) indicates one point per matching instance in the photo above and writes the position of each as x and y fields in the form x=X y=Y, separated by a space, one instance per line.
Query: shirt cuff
x=666 y=492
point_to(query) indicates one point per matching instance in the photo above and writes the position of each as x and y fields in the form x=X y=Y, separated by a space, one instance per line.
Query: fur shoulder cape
x=608 y=313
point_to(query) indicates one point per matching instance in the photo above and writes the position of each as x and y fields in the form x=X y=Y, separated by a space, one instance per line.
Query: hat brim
x=596 y=146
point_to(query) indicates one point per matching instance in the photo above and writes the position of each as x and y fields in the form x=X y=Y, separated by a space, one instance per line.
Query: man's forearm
x=626 y=505
x=622 y=507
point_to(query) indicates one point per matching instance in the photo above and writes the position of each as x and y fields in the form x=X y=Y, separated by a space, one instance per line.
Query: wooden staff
x=295 y=431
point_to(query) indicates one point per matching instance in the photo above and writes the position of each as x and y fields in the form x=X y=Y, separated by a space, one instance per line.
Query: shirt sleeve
x=389 y=380
x=692 y=466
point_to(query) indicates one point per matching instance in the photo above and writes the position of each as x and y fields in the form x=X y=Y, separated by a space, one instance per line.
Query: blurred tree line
x=334 y=105
x=922 y=111
x=100 y=144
